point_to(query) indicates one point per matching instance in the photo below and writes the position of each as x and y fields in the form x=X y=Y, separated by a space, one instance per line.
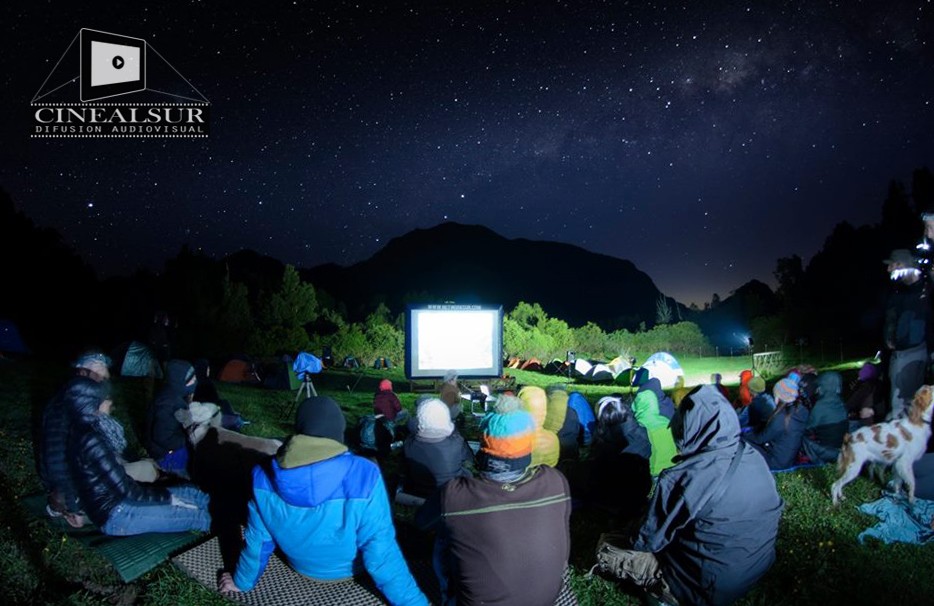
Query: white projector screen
x=465 y=338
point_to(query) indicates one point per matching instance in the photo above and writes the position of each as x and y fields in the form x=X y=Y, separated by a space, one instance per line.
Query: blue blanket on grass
x=899 y=522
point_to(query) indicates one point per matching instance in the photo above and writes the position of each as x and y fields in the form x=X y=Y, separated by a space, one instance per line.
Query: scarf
x=112 y=431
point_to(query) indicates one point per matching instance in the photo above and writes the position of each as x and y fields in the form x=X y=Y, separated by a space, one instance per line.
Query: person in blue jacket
x=585 y=417
x=322 y=506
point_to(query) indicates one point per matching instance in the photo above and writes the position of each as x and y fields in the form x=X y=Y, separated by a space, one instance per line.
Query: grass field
x=819 y=559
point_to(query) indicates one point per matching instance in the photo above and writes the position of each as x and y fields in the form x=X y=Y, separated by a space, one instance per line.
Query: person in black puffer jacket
x=114 y=501
x=51 y=461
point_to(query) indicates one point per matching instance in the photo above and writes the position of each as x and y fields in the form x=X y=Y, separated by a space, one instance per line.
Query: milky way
x=701 y=140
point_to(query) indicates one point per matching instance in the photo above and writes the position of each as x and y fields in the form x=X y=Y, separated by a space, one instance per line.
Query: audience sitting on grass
x=744 y=395
x=504 y=537
x=434 y=453
x=709 y=534
x=545 y=446
x=206 y=391
x=867 y=404
x=645 y=408
x=780 y=440
x=165 y=438
x=115 y=502
x=324 y=508
x=450 y=394
x=827 y=423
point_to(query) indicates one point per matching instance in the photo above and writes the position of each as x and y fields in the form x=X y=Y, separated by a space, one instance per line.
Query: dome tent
x=664 y=367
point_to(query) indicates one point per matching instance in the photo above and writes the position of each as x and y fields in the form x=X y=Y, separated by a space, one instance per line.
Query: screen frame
x=412 y=371
x=105 y=91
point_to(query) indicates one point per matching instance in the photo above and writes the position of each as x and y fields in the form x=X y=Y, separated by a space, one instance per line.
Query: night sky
x=700 y=140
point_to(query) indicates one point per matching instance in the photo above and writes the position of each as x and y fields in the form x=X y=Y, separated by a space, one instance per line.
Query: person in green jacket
x=645 y=408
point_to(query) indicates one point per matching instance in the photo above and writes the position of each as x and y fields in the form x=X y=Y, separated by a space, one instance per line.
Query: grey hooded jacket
x=712 y=552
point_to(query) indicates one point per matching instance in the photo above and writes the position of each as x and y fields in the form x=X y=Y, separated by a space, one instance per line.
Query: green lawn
x=819 y=559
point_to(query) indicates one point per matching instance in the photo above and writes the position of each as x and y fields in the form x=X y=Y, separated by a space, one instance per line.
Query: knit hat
x=785 y=390
x=96 y=362
x=506 y=437
x=385 y=385
x=320 y=417
x=756 y=385
x=434 y=420
x=868 y=372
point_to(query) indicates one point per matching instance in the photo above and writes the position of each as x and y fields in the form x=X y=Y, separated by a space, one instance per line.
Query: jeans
x=131 y=517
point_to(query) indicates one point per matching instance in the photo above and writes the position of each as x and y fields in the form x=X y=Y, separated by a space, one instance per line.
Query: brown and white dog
x=898 y=443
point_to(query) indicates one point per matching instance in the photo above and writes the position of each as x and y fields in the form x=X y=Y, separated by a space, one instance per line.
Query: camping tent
x=136 y=359
x=238 y=370
x=664 y=367
x=382 y=362
x=10 y=339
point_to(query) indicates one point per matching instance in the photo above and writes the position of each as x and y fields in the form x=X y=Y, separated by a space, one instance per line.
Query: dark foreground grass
x=819 y=559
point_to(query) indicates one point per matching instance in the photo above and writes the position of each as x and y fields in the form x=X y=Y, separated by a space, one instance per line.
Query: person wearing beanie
x=386 y=403
x=712 y=523
x=866 y=405
x=755 y=416
x=779 y=440
x=546 y=448
x=827 y=423
x=744 y=396
x=434 y=453
x=322 y=507
x=165 y=438
x=645 y=408
x=502 y=538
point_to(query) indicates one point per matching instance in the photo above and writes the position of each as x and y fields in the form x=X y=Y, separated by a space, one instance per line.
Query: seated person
x=115 y=502
x=386 y=403
x=716 y=379
x=827 y=423
x=206 y=391
x=450 y=394
x=51 y=460
x=715 y=509
x=645 y=408
x=666 y=405
x=744 y=395
x=322 y=507
x=760 y=409
x=503 y=538
x=619 y=459
x=585 y=417
x=166 y=440
x=546 y=448
x=434 y=453
x=780 y=439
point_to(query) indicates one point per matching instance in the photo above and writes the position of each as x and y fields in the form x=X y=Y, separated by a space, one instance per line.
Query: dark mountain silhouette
x=727 y=324
x=472 y=264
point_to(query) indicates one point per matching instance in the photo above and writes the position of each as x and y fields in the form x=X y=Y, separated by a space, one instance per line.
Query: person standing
x=907 y=328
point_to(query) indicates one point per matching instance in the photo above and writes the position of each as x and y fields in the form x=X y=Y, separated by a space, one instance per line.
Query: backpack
x=375 y=434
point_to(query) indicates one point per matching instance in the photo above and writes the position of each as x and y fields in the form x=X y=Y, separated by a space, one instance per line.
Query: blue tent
x=134 y=359
x=10 y=339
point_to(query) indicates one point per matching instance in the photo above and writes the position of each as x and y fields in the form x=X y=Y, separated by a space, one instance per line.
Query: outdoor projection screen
x=465 y=338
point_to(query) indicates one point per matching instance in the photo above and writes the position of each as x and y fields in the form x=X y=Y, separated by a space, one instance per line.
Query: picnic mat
x=131 y=556
x=899 y=522
x=282 y=586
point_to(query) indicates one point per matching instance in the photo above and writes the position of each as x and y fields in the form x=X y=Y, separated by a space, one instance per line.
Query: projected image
x=454 y=340
x=465 y=338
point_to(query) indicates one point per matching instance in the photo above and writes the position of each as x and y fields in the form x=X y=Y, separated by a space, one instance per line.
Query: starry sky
x=700 y=140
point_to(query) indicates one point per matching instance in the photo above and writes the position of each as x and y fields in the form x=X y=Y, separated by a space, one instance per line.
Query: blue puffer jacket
x=321 y=505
